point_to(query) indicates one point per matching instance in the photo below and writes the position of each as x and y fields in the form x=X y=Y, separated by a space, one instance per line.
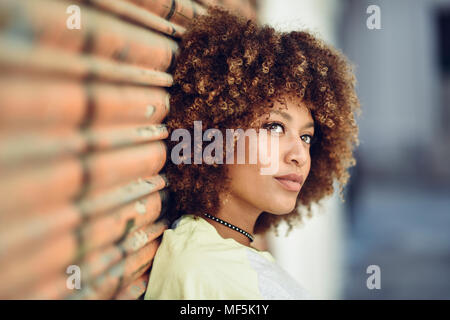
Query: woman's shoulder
x=192 y=263
x=191 y=238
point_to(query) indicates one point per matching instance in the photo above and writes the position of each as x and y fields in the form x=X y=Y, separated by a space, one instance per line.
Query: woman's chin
x=282 y=209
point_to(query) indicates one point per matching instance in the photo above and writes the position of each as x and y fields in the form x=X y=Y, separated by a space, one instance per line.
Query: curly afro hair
x=227 y=72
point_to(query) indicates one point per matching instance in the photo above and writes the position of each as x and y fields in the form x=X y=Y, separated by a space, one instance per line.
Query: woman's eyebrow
x=308 y=125
x=289 y=118
x=283 y=114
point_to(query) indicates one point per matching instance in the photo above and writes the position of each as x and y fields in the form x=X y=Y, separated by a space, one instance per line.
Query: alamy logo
x=258 y=147
x=74 y=280
x=374 y=20
x=374 y=281
x=74 y=20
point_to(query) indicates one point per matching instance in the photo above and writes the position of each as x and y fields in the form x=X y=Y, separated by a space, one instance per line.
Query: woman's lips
x=289 y=184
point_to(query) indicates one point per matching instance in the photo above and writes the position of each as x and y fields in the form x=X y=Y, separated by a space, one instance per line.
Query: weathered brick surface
x=82 y=142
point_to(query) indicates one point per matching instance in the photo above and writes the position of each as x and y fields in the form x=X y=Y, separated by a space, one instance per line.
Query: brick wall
x=82 y=142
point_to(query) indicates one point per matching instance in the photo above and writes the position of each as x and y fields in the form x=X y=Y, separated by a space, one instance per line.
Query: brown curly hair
x=227 y=72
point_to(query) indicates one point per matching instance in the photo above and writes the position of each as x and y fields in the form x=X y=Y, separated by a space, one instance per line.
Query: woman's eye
x=278 y=128
x=274 y=127
x=308 y=139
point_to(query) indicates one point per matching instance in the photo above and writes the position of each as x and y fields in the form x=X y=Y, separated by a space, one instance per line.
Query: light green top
x=193 y=261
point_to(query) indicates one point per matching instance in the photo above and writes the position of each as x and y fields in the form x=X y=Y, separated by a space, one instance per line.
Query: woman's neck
x=239 y=213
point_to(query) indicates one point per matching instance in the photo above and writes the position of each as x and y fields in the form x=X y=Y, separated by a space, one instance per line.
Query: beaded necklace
x=229 y=225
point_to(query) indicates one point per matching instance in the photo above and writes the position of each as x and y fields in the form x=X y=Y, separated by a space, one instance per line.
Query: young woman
x=231 y=73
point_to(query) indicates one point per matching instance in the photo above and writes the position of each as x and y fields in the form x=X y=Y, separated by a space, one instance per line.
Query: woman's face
x=294 y=128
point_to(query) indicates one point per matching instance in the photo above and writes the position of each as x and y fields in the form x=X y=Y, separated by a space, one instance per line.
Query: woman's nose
x=296 y=152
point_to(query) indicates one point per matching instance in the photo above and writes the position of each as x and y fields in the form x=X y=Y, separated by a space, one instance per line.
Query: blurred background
x=397 y=209
x=82 y=103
